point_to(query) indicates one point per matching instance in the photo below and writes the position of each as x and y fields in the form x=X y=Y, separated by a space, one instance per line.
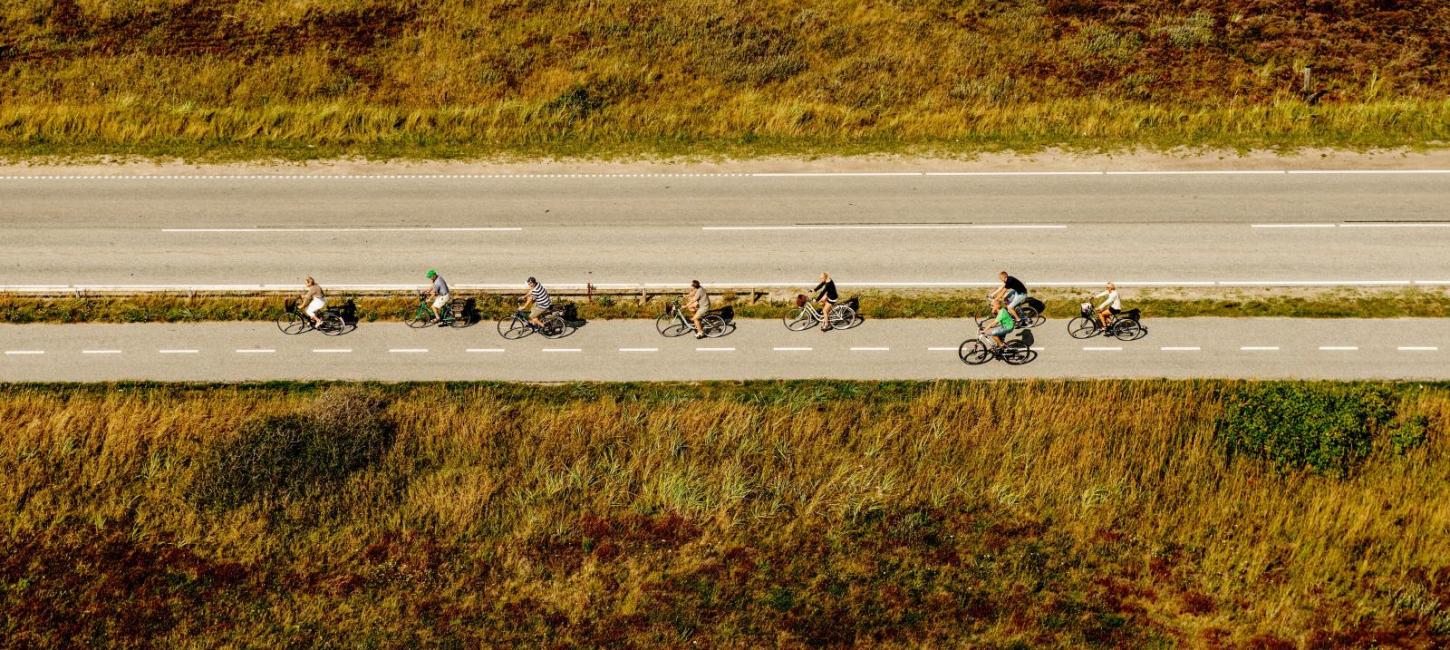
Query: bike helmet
x=432 y=274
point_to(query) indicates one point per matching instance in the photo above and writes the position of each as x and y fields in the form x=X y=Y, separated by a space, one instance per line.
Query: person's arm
x=820 y=291
x=1106 y=300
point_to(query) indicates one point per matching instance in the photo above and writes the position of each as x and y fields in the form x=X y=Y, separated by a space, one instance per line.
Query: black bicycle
x=451 y=315
x=1126 y=326
x=517 y=326
x=1029 y=313
x=293 y=321
x=673 y=322
x=977 y=351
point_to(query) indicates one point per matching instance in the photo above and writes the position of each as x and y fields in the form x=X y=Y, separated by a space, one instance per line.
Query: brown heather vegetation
x=1042 y=514
x=1061 y=304
x=441 y=78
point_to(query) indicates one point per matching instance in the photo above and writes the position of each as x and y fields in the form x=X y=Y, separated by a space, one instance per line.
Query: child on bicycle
x=1005 y=323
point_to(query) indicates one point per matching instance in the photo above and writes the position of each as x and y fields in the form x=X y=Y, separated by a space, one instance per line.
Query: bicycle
x=673 y=323
x=517 y=326
x=1126 y=326
x=1028 y=314
x=451 y=315
x=977 y=351
x=293 y=322
x=844 y=315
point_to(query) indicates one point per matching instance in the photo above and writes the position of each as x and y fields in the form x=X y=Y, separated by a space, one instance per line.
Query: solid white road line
x=493 y=350
x=100 y=351
x=1102 y=349
x=1338 y=348
x=1074 y=284
x=1417 y=348
x=1260 y=348
x=1180 y=349
x=561 y=350
x=408 y=350
x=901 y=226
x=17 y=353
x=305 y=230
x=714 y=349
x=254 y=351
x=870 y=349
x=1280 y=226
x=179 y=351
x=793 y=349
x=587 y=175
x=332 y=350
x=1357 y=224
x=639 y=349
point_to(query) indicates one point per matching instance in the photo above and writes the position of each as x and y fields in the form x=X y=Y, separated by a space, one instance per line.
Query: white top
x=1112 y=301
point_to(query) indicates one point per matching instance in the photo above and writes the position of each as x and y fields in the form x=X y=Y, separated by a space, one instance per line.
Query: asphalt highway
x=758 y=349
x=915 y=229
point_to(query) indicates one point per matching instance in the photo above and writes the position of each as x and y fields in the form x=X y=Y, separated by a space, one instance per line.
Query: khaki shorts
x=537 y=312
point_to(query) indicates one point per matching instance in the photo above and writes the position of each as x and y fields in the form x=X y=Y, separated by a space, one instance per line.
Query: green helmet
x=432 y=274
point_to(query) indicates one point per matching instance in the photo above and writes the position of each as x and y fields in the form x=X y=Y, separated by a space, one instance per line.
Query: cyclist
x=312 y=300
x=1112 y=304
x=537 y=302
x=1012 y=292
x=698 y=304
x=999 y=328
x=439 y=293
x=826 y=295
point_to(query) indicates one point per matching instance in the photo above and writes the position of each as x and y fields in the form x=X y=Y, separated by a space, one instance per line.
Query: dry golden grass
x=990 y=514
x=445 y=78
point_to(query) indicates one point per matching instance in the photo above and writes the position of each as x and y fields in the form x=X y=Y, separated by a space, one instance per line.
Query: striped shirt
x=541 y=296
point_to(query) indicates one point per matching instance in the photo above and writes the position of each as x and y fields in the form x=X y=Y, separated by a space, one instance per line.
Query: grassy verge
x=1041 y=514
x=1062 y=304
x=244 y=79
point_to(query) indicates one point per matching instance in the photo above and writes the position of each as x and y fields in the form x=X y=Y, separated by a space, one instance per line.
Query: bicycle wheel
x=800 y=319
x=1017 y=353
x=292 y=323
x=1030 y=317
x=514 y=328
x=1082 y=328
x=554 y=326
x=1128 y=330
x=419 y=318
x=842 y=317
x=333 y=325
x=669 y=325
x=713 y=326
x=974 y=352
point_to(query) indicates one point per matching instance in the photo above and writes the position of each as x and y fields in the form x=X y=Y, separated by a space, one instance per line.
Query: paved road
x=631 y=350
x=917 y=229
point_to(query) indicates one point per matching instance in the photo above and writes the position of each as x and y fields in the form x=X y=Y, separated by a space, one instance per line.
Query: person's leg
x=1013 y=300
x=433 y=307
x=699 y=329
x=826 y=306
x=534 y=315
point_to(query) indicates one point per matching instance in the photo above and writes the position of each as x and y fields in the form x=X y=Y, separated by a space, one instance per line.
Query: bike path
x=632 y=350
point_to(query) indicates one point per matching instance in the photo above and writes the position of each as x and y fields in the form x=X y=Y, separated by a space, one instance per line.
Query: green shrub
x=273 y=457
x=1326 y=428
x=1409 y=434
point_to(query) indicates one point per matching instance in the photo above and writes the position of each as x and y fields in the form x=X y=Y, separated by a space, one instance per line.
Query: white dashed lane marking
x=408 y=350
x=870 y=349
x=1260 y=348
x=332 y=350
x=19 y=353
x=1180 y=349
x=793 y=349
x=1338 y=348
x=714 y=349
x=1417 y=348
x=484 y=350
x=561 y=350
x=179 y=351
x=1102 y=349
x=639 y=349
x=100 y=351
x=254 y=351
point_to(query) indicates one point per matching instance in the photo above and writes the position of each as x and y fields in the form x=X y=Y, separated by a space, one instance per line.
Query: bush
x=1409 y=434
x=273 y=457
x=1326 y=428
